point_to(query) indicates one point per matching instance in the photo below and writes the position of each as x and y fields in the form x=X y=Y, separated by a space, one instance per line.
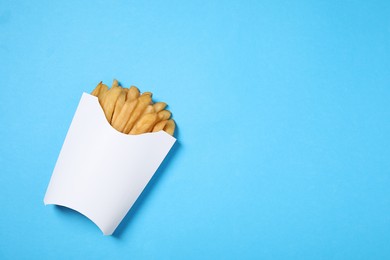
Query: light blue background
x=283 y=126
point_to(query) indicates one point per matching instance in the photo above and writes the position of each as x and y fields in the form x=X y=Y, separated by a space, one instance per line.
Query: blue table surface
x=283 y=122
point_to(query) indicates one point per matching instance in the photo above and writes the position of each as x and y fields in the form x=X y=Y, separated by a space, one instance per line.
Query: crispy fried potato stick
x=149 y=109
x=144 y=124
x=115 y=83
x=159 y=126
x=133 y=93
x=96 y=91
x=109 y=100
x=143 y=102
x=163 y=115
x=119 y=104
x=148 y=93
x=170 y=127
x=159 y=106
x=102 y=92
x=121 y=120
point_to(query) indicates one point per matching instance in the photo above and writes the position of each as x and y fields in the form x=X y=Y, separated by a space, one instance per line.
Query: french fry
x=149 y=109
x=121 y=120
x=102 y=92
x=96 y=91
x=144 y=124
x=119 y=104
x=170 y=127
x=109 y=100
x=163 y=115
x=133 y=93
x=148 y=93
x=143 y=102
x=115 y=83
x=159 y=126
x=159 y=106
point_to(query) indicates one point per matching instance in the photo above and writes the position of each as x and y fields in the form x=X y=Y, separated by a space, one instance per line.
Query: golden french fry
x=143 y=102
x=144 y=124
x=159 y=106
x=102 y=92
x=149 y=109
x=133 y=93
x=118 y=106
x=109 y=100
x=170 y=127
x=121 y=120
x=115 y=83
x=159 y=126
x=148 y=93
x=163 y=115
x=96 y=91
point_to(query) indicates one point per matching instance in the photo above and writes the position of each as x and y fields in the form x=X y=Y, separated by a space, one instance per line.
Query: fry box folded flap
x=100 y=172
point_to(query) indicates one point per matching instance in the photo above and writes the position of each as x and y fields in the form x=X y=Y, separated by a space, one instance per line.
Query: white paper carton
x=100 y=172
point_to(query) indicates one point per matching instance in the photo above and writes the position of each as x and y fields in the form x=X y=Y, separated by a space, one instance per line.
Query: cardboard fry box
x=100 y=172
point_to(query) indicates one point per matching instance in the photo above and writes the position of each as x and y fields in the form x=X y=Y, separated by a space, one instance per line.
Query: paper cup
x=100 y=172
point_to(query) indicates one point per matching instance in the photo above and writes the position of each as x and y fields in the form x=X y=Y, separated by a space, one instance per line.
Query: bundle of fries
x=131 y=112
